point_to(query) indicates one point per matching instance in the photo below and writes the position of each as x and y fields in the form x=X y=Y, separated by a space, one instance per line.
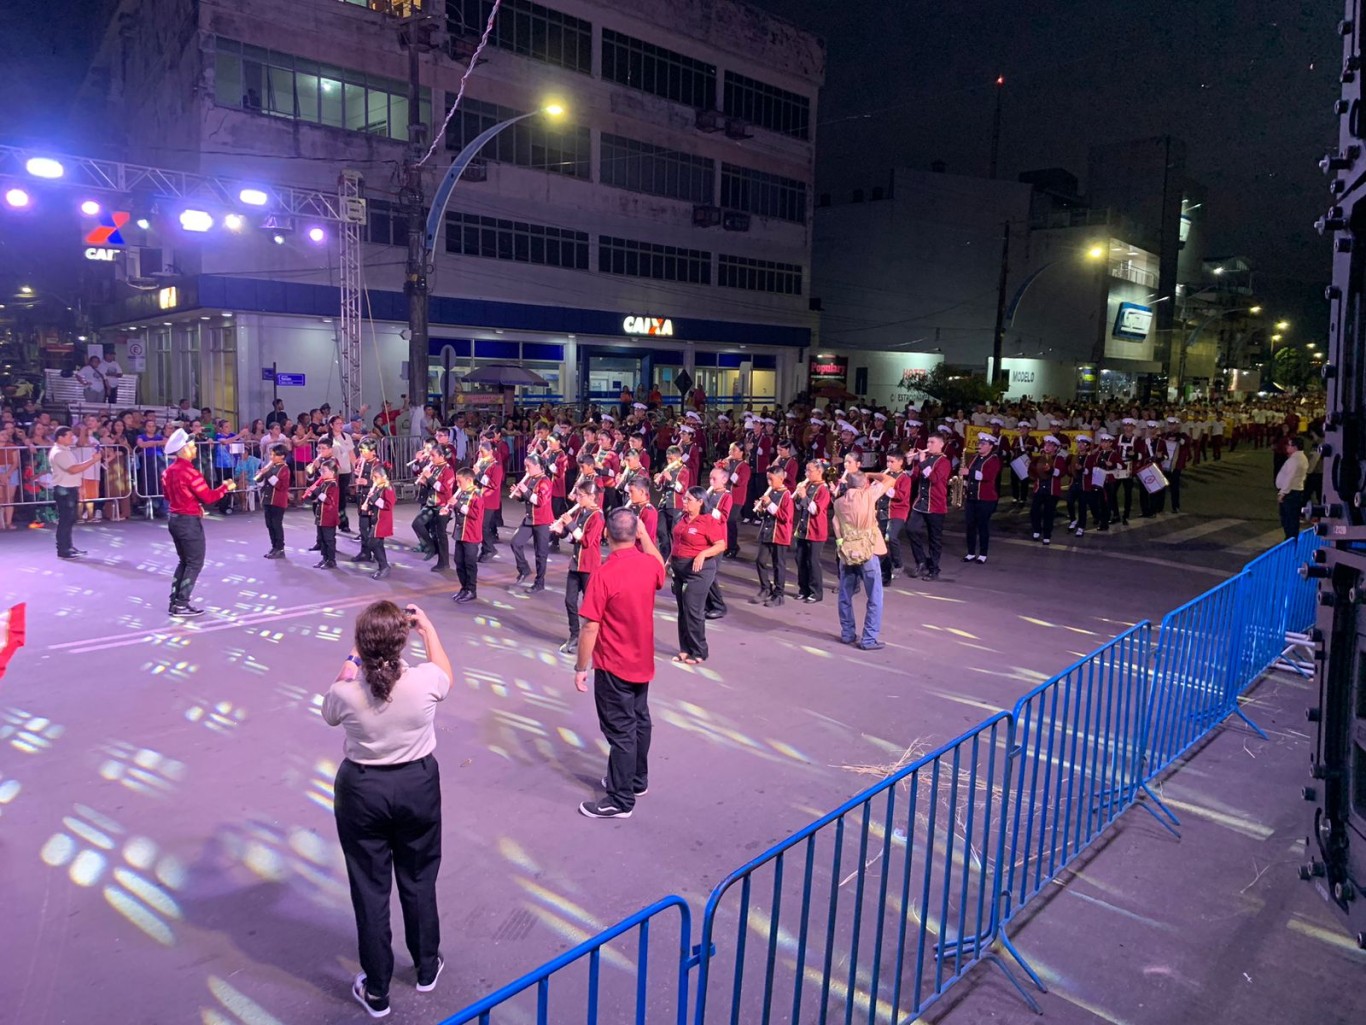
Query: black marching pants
x=188 y=534
x=690 y=591
x=275 y=527
x=809 y=579
x=575 y=584
x=467 y=565
x=624 y=718
x=927 y=539
x=539 y=538
x=440 y=539
x=771 y=563
x=977 y=515
x=1042 y=510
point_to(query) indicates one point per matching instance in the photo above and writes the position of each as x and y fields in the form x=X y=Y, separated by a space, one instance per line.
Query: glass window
x=762 y=194
x=386 y=225
x=650 y=260
x=759 y=275
x=526 y=28
x=331 y=90
x=227 y=80
x=767 y=106
x=518 y=241
x=656 y=171
x=653 y=69
x=536 y=143
x=306 y=94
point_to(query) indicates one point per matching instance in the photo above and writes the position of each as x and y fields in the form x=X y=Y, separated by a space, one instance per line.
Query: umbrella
x=505 y=374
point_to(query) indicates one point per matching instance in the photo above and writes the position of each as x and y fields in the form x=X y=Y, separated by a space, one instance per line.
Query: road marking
x=1261 y=542
x=1101 y=553
x=1191 y=533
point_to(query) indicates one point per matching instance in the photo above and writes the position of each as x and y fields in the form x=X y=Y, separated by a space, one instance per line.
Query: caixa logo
x=1022 y=377
x=648 y=326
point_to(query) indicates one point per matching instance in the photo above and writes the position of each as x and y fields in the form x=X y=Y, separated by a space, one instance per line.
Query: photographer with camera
x=388 y=792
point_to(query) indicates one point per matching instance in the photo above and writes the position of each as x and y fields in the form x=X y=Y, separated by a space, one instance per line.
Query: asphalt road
x=166 y=839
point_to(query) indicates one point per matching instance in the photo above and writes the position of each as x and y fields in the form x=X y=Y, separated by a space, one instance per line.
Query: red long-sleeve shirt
x=186 y=490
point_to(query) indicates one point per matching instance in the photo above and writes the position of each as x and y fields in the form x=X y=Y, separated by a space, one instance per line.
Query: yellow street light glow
x=1276 y=338
x=554 y=109
x=1254 y=309
x=1095 y=252
x=1282 y=325
x=1218 y=270
x=25 y=290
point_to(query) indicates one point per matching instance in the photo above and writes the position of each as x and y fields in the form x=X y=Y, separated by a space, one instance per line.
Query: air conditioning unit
x=710 y=121
x=735 y=221
x=738 y=128
x=476 y=171
x=706 y=216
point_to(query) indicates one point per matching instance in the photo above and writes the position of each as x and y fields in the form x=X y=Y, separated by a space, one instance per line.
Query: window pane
x=227 y=76
x=307 y=86
x=355 y=107
x=280 y=92
x=331 y=90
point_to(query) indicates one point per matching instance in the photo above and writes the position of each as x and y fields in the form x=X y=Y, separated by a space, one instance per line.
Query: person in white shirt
x=92 y=380
x=112 y=373
x=1290 y=486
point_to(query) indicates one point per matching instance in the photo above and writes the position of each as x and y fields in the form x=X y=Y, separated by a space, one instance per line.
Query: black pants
x=188 y=534
x=343 y=489
x=67 y=500
x=389 y=825
x=1076 y=503
x=1097 y=501
x=624 y=718
x=1042 y=509
x=690 y=591
x=539 y=537
x=275 y=527
x=977 y=514
x=420 y=521
x=327 y=543
x=771 y=563
x=809 y=580
x=558 y=506
x=490 y=531
x=716 y=601
x=927 y=539
x=381 y=556
x=733 y=531
x=367 y=533
x=1019 y=489
x=440 y=539
x=891 y=533
x=1290 y=507
x=575 y=584
x=1313 y=486
x=1174 y=486
x=664 y=530
x=1127 y=486
x=467 y=565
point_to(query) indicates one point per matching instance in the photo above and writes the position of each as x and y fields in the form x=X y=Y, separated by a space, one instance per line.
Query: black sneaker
x=184 y=610
x=375 y=1007
x=380 y=574
x=603 y=809
x=466 y=598
x=570 y=647
x=639 y=793
x=427 y=987
x=535 y=588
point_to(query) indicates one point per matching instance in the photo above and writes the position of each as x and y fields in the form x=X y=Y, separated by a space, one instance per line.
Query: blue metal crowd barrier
x=873 y=911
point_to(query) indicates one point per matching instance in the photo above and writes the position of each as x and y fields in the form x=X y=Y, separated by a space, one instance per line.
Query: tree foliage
x=956 y=389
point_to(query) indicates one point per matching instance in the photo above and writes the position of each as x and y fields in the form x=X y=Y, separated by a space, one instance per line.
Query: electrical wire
x=460 y=92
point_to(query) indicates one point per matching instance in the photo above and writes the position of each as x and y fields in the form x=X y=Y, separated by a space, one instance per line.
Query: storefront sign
x=659 y=326
x=100 y=254
x=912 y=376
x=106 y=233
x=1133 y=321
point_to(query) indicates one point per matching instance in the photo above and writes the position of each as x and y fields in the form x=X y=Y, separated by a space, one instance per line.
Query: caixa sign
x=660 y=326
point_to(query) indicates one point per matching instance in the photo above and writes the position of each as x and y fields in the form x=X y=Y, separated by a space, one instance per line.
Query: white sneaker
x=981 y=558
x=969 y=558
x=1037 y=536
x=1080 y=532
x=1047 y=541
x=1072 y=525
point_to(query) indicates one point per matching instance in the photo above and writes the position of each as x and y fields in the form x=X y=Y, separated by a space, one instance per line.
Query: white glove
x=578 y=534
x=716 y=514
x=484 y=480
x=272 y=481
x=379 y=503
x=734 y=478
x=1057 y=473
x=535 y=498
x=773 y=508
x=678 y=486
x=811 y=507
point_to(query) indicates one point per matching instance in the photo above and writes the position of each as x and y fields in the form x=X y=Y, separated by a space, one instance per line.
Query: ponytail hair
x=381 y=636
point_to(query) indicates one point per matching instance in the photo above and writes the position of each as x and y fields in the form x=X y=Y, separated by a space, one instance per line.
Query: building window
x=759 y=275
x=528 y=29
x=537 y=142
x=656 y=70
x=497 y=239
x=767 y=106
x=280 y=85
x=385 y=225
x=765 y=195
x=656 y=171
x=648 y=260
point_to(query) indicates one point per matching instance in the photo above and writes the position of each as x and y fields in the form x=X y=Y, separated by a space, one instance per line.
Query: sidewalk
x=1213 y=928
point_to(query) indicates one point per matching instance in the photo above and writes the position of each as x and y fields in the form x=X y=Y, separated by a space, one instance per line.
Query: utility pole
x=417 y=33
x=998 y=339
x=996 y=127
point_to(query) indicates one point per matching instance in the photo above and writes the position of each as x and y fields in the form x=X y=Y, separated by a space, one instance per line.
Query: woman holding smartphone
x=388 y=792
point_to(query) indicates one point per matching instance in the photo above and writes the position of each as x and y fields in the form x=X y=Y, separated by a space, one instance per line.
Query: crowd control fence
x=872 y=912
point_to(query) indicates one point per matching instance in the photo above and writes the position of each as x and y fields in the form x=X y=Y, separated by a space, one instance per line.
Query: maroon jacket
x=984 y=472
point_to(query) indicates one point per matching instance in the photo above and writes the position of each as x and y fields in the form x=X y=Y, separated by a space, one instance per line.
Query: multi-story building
x=678 y=189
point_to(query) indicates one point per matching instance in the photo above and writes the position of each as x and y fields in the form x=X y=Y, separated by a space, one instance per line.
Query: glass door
x=607 y=375
x=218 y=361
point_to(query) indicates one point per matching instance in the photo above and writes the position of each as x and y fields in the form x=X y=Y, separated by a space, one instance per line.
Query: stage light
x=17 y=198
x=196 y=220
x=233 y=222
x=316 y=234
x=25 y=289
x=144 y=223
x=278 y=239
x=253 y=197
x=90 y=208
x=44 y=167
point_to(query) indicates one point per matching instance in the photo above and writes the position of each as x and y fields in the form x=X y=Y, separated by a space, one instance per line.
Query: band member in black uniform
x=774 y=508
x=443 y=487
x=811 y=502
x=672 y=482
x=361 y=469
x=982 y=476
x=717 y=505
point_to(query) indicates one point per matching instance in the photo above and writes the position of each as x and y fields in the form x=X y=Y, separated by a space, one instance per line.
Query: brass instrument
x=958 y=486
x=673 y=468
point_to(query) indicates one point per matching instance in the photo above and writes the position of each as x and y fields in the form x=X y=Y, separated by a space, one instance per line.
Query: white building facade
x=678 y=189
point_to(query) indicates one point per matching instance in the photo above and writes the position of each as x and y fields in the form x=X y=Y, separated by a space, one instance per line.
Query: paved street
x=166 y=837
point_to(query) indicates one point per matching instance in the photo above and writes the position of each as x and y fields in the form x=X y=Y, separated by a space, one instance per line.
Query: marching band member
x=1145 y=455
x=775 y=535
x=672 y=482
x=737 y=480
x=636 y=444
x=638 y=498
x=379 y=506
x=466 y=509
x=811 y=502
x=186 y=494
x=361 y=468
x=982 y=476
x=274 y=477
x=697 y=540
x=1103 y=497
x=929 y=507
x=533 y=489
x=582 y=524
x=692 y=452
x=424 y=482
x=1046 y=473
x=718 y=504
x=1022 y=444
x=1173 y=452
x=555 y=462
x=893 y=510
x=326 y=512
x=1079 y=490
x=1126 y=455
x=488 y=475
x=787 y=462
x=438 y=498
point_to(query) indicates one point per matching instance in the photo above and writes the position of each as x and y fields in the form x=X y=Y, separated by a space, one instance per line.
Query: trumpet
x=672 y=467
x=264 y=472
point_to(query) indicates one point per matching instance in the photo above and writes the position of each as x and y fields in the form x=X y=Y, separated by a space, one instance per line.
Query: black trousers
x=1076 y=502
x=1174 y=486
x=624 y=718
x=467 y=565
x=927 y=539
x=490 y=531
x=1097 y=502
x=1127 y=486
x=664 y=530
x=188 y=534
x=809 y=579
x=1042 y=510
x=440 y=539
x=575 y=583
x=389 y=825
x=367 y=533
x=895 y=528
x=539 y=537
x=67 y=501
x=558 y=506
x=1290 y=507
x=1019 y=489
x=381 y=556
x=690 y=591
x=327 y=543
x=275 y=527
x=733 y=531
x=420 y=521
x=343 y=490
x=771 y=563
x=716 y=601
x=977 y=514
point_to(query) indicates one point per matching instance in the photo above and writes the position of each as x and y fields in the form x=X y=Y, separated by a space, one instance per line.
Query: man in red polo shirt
x=617 y=638
x=187 y=493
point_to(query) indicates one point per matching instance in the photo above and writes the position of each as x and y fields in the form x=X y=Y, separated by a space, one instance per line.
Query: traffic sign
x=267 y=375
x=289 y=380
x=683 y=382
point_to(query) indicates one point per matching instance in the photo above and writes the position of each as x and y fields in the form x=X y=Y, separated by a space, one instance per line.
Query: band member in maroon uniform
x=1022 y=444
x=787 y=462
x=672 y=482
x=325 y=495
x=982 y=475
x=718 y=504
x=488 y=475
x=534 y=489
x=811 y=501
x=775 y=535
x=638 y=497
x=467 y=527
x=1047 y=472
x=442 y=487
x=893 y=510
x=737 y=480
x=582 y=524
x=274 y=480
x=186 y=494
x=929 y=508
x=380 y=501
x=1173 y=452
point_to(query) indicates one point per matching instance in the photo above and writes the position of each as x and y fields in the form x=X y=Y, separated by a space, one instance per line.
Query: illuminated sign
x=106 y=233
x=101 y=254
x=648 y=326
x=1133 y=321
x=1022 y=377
x=167 y=299
x=911 y=376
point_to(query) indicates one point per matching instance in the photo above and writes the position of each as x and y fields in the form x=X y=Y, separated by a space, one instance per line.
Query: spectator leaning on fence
x=1290 y=485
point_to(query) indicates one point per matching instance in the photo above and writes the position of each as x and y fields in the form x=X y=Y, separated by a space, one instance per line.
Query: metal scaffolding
x=352 y=205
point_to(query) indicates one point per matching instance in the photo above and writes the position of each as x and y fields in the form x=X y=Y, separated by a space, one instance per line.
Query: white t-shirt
x=402 y=729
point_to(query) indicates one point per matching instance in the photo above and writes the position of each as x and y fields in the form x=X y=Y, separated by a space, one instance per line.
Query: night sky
x=1249 y=85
